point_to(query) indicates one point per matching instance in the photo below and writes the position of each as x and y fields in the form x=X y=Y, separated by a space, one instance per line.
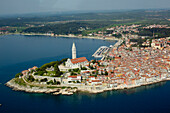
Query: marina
x=101 y=52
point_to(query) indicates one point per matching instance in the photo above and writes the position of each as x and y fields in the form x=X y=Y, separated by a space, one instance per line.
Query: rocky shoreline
x=67 y=90
x=35 y=89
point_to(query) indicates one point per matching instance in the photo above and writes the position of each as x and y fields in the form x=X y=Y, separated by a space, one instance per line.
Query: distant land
x=80 y=23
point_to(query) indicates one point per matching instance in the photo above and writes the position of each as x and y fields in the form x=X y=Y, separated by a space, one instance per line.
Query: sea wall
x=67 y=90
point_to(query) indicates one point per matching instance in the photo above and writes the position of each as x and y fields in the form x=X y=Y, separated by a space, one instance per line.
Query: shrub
x=58 y=83
x=50 y=82
x=76 y=70
x=31 y=78
x=83 y=68
x=78 y=82
x=18 y=74
x=44 y=80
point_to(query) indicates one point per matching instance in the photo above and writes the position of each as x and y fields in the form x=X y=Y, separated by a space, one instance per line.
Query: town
x=122 y=66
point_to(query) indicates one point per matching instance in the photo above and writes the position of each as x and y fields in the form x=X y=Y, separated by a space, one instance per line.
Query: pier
x=101 y=52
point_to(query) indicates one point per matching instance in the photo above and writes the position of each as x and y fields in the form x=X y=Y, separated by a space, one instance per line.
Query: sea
x=19 y=52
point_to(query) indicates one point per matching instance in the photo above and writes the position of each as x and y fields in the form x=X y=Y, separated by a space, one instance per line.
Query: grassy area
x=20 y=81
x=50 y=73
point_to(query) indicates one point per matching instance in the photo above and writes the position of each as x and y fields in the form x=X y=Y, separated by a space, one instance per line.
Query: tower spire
x=73 y=51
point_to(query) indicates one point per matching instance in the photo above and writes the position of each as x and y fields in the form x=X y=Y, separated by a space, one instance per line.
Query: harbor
x=104 y=50
x=101 y=52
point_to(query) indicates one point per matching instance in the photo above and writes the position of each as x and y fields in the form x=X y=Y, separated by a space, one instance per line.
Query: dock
x=101 y=52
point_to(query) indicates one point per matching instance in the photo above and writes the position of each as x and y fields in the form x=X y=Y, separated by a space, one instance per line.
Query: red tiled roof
x=72 y=76
x=78 y=60
x=96 y=80
x=25 y=71
x=91 y=76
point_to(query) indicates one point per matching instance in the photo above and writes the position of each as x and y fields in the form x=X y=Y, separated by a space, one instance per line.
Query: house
x=96 y=82
x=33 y=68
x=74 y=78
x=50 y=69
x=91 y=78
x=25 y=72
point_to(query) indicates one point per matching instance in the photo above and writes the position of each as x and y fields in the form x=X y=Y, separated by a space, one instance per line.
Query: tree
x=41 y=73
x=76 y=70
x=18 y=74
x=94 y=61
x=44 y=80
x=106 y=73
x=58 y=83
x=72 y=73
x=55 y=81
x=117 y=35
x=50 y=82
x=31 y=78
x=83 y=68
x=78 y=82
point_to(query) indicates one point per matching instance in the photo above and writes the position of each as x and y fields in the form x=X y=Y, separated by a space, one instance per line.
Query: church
x=75 y=62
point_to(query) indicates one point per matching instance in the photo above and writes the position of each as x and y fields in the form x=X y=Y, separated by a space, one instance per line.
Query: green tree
x=18 y=74
x=76 y=70
x=83 y=68
x=50 y=82
x=31 y=78
x=106 y=73
x=44 y=80
x=58 y=83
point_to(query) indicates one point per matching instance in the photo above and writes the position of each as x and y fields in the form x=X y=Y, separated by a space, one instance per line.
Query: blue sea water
x=19 y=52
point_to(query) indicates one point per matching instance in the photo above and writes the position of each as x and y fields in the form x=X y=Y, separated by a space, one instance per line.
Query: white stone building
x=77 y=62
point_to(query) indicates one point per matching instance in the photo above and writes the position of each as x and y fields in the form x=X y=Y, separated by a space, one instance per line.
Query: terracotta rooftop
x=79 y=60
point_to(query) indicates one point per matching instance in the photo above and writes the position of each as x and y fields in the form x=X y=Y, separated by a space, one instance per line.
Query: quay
x=101 y=52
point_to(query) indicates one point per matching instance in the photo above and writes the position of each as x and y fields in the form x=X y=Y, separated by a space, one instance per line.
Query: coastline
x=69 y=90
x=72 y=36
x=34 y=89
x=68 y=36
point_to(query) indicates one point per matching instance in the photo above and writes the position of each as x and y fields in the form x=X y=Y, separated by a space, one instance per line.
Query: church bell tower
x=73 y=51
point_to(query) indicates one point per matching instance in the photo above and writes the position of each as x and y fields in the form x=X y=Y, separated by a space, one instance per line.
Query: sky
x=34 y=6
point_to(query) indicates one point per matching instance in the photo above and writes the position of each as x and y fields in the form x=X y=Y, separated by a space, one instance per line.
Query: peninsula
x=122 y=66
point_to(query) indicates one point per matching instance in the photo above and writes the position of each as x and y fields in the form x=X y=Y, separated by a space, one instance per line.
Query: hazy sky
x=31 y=6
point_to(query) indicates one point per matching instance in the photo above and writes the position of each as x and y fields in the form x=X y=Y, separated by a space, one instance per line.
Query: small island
x=129 y=63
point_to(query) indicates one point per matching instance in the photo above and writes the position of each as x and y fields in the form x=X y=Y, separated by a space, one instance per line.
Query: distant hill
x=118 y=15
